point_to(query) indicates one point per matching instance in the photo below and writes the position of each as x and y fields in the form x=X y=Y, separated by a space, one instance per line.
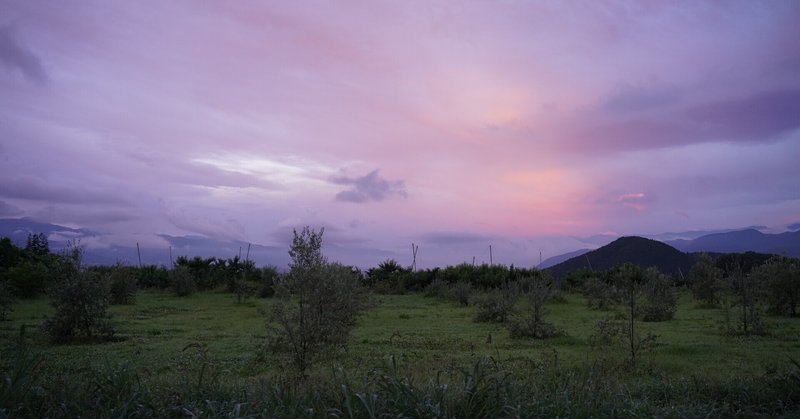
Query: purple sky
x=454 y=125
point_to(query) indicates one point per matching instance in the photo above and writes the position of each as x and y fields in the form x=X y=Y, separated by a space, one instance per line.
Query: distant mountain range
x=787 y=244
x=637 y=250
x=555 y=260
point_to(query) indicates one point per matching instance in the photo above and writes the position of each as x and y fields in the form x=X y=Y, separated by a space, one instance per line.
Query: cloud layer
x=514 y=123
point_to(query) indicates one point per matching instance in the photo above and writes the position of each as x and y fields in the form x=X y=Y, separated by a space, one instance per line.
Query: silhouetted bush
x=536 y=290
x=497 y=305
x=460 y=292
x=659 y=299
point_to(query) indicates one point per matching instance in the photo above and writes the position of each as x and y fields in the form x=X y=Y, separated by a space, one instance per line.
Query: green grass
x=431 y=340
x=427 y=334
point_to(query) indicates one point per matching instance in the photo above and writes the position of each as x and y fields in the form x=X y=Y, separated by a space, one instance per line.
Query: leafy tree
x=499 y=304
x=37 y=244
x=740 y=299
x=122 y=285
x=537 y=291
x=599 y=293
x=780 y=278
x=6 y=300
x=659 y=299
x=182 y=281
x=80 y=300
x=629 y=280
x=319 y=306
x=705 y=280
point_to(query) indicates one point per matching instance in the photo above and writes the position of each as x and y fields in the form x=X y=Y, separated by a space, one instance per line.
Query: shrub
x=269 y=278
x=740 y=297
x=705 y=281
x=6 y=300
x=28 y=279
x=537 y=291
x=122 y=285
x=780 y=279
x=319 y=307
x=497 y=305
x=599 y=294
x=152 y=276
x=81 y=304
x=437 y=288
x=182 y=281
x=659 y=299
x=460 y=292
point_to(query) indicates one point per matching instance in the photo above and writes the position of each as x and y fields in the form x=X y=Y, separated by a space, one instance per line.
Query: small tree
x=182 y=281
x=80 y=300
x=6 y=300
x=705 y=281
x=599 y=294
x=659 y=299
x=629 y=280
x=537 y=291
x=499 y=304
x=460 y=292
x=37 y=244
x=319 y=305
x=780 y=278
x=122 y=285
x=740 y=301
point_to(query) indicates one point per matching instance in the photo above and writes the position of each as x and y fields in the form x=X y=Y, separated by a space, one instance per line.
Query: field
x=210 y=339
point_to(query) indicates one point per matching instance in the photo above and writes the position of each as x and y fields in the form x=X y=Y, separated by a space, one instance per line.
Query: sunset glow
x=453 y=125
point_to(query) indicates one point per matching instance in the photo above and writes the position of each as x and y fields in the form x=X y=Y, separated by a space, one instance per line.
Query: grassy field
x=426 y=334
x=169 y=341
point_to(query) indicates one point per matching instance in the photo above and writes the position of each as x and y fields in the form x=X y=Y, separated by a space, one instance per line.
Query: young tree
x=705 y=280
x=499 y=304
x=629 y=279
x=537 y=290
x=659 y=299
x=37 y=244
x=319 y=306
x=780 y=278
x=740 y=299
x=80 y=299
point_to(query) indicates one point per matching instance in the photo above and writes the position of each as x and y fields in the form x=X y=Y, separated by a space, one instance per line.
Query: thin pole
x=247 y=258
x=491 y=261
x=138 y=252
x=171 y=262
x=240 y=252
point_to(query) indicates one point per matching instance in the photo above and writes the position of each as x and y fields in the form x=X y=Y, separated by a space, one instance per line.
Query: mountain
x=637 y=250
x=787 y=243
x=555 y=260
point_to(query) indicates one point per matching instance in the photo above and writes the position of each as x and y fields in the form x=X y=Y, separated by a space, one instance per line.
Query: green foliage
x=460 y=292
x=122 y=285
x=780 y=282
x=537 y=291
x=37 y=245
x=705 y=280
x=152 y=276
x=320 y=304
x=182 y=281
x=6 y=300
x=80 y=302
x=659 y=298
x=741 y=295
x=269 y=279
x=497 y=305
x=28 y=278
x=599 y=293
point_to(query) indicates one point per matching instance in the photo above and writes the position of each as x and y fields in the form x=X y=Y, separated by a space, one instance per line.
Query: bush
x=6 y=300
x=599 y=294
x=122 y=285
x=152 y=276
x=437 y=288
x=705 y=281
x=28 y=279
x=81 y=304
x=497 y=305
x=780 y=279
x=660 y=301
x=460 y=292
x=321 y=301
x=537 y=291
x=182 y=281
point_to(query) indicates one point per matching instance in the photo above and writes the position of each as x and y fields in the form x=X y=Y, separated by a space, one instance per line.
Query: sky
x=455 y=125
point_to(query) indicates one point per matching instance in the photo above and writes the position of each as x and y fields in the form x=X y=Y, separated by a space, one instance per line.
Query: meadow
x=183 y=353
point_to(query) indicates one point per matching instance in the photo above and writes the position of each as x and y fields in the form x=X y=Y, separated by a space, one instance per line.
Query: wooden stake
x=138 y=252
x=414 y=249
x=171 y=262
x=247 y=258
x=491 y=261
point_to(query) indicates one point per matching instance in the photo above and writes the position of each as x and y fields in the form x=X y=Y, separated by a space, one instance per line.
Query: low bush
x=80 y=304
x=122 y=285
x=182 y=281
